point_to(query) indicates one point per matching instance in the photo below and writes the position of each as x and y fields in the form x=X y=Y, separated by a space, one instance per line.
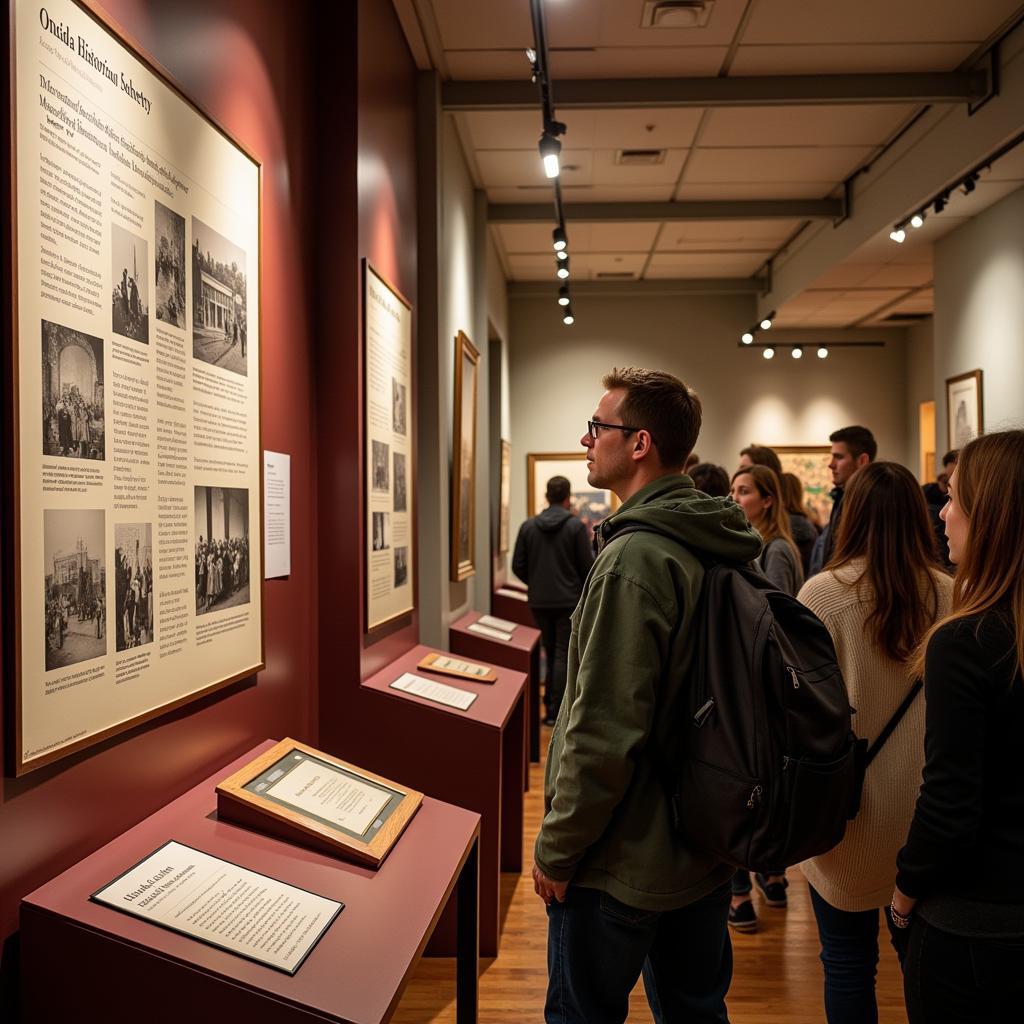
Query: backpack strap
x=890 y=726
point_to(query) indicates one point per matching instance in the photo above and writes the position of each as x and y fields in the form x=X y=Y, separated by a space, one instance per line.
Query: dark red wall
x=248 y=63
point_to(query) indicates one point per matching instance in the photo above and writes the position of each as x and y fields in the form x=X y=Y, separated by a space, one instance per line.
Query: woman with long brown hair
x=960 y=884
x=759 y=491
x=804 y=532
x=878 y=596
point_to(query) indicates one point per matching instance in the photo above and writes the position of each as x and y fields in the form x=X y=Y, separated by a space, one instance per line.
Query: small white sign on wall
x=277 y=516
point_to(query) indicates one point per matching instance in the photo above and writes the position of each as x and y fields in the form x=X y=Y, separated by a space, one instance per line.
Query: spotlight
x=969 y=182
x=766 y=323
x=769 y=353
x=531 y=56
x=797 y=353
x=898 y=235
x=917 y=220
x=558 y=239
x=823 y=352
x=567 y=317
x=561 y=255
x=549 y=148
x=747 y=337
x=563 y=295
x=940 y=202
x=563 y=268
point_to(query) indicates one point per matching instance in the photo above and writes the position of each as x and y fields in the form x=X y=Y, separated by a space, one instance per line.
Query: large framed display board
x=388 y=388
x=135 y=389
x=463 y=508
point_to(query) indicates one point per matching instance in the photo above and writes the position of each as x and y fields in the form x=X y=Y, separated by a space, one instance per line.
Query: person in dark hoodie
x=625 y=893
x=552 y=556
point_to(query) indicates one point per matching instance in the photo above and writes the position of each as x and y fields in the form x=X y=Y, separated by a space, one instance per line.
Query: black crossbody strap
x=893 y=722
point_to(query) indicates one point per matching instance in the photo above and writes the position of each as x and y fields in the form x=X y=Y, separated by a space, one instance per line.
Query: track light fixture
x=747 y=337
x=797 y=352
x=823 y=352
x=563 y=268
x=766 y=323
x=797 y=348
x=940 y=202
x=970 y=182
x=558 y=239
x=561 y=255
x=549 y=148
x=769 y=353
x=563 y=295
x=917 y=220
x=567 y=317
x=898 y=235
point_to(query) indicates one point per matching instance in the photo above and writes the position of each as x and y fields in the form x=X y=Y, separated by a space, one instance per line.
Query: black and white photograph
x=222 y=548
x=379 y=475
x=129 y=312
x=401 y=566
x=401 y=501
x=133 y=585
x=398 y=407
x=219 y=324
x=73 y=421
x=381 y=531
x=75 y=586
x=169 y=265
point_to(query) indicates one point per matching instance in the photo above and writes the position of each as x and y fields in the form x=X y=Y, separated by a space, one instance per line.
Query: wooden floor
x=776 y=974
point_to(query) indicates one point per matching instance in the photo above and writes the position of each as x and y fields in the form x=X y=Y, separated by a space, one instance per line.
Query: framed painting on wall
x=467 y=365
x=504 y=494
x=132 y=354
x=591 y=504
x=964 y=415
x=810 y=464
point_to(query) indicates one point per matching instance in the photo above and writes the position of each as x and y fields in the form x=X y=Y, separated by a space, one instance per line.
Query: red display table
x=473 y=758
x=512 y=605
x=85 y=961
x=522 y=653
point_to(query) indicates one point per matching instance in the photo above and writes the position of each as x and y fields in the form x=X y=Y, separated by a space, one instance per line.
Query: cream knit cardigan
x=859 y=873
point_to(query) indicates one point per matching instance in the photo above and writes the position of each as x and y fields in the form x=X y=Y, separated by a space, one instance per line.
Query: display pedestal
x=505 y=606
x=521 y=653
x=473 y=758
x=84 y=961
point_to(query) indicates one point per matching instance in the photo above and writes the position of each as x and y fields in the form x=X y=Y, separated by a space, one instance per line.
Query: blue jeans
x=952 y=979
x=849 y=954
x=598 y=947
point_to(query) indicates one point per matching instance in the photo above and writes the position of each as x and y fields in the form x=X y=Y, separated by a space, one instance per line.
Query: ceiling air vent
x=615 y=275
x=904 y=317
x=676 y=13
x=639 y=157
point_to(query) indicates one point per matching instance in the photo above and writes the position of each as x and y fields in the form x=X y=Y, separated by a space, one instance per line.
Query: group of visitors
x=222 y=568
x=938 y=840
x=73 y=427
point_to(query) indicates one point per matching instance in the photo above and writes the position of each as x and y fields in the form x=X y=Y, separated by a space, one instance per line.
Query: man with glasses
x=624 y=892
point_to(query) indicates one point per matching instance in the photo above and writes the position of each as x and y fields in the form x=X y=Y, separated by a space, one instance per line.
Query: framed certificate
x=302 y=794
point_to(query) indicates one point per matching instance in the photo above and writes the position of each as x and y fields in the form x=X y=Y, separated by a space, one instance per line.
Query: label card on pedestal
x=495 y=623
x=449 y=666
x=223 y=905
x=439 y=693
x=493 y=634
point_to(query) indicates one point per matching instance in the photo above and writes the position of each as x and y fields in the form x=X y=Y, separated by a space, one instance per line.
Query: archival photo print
x=401 y=566
x=222 y=548
x=133 y=584
x=75 y=581
x=129 y=314
x=379 y=471
x=398 y=407
x=381 y=531
x=219 y=322
x=401 y=502
x=170 y=266
x=73 y=421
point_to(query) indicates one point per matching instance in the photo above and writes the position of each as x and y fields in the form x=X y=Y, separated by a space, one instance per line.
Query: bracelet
x=897 y=918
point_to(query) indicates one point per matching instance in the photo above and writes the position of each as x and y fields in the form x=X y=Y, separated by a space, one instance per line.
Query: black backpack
x=767 y=770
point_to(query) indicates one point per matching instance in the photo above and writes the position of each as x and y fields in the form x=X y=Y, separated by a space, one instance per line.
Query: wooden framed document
x=302 y=794
x=448 y=665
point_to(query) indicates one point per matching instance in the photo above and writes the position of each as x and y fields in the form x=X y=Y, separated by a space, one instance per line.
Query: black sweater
x=966 y=840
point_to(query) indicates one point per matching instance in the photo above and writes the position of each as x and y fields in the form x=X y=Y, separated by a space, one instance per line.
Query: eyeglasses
x=594 y=425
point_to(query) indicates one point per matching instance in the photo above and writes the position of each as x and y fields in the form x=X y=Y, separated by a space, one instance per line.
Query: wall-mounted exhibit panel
x=501 y=642
x=136 y=384
x=354 y=972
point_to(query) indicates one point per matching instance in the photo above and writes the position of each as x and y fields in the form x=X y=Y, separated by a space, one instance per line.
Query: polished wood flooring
x=776 y=974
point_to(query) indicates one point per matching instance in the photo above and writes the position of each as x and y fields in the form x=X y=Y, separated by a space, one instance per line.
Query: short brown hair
x=762 y=455
x=661 y=404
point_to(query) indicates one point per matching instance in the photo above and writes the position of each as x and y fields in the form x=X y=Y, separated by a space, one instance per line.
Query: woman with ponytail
x=959 y=893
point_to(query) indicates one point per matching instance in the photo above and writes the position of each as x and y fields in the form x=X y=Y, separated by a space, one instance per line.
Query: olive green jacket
x=607 y=823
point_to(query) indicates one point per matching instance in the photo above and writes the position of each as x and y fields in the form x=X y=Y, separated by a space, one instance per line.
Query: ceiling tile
x=704 y=265
x=876 y=21
x=582 y=194
x=903 y=275
x=642 y=128
x=698 y=191
x=593 y=264
x=615 y=237
x=832 y=59
x=795 y=163
x=620 y=25
x=759 y=235
x=520 y=129
x=606 y=62
x=845 y=275
x=804 y=126
x=605 y=171
x=509 y=168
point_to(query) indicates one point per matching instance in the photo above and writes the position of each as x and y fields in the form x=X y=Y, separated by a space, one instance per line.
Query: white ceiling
x=783 y=152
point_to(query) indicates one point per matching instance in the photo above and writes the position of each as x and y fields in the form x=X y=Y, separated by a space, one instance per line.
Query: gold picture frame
x=810 y=464
x=463 y=509
x=965 y=415
x=592 y=504
x=247 y=797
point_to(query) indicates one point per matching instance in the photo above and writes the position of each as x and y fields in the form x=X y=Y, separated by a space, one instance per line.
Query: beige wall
x=556 y=375
x=979 y=312
x=920 y=388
